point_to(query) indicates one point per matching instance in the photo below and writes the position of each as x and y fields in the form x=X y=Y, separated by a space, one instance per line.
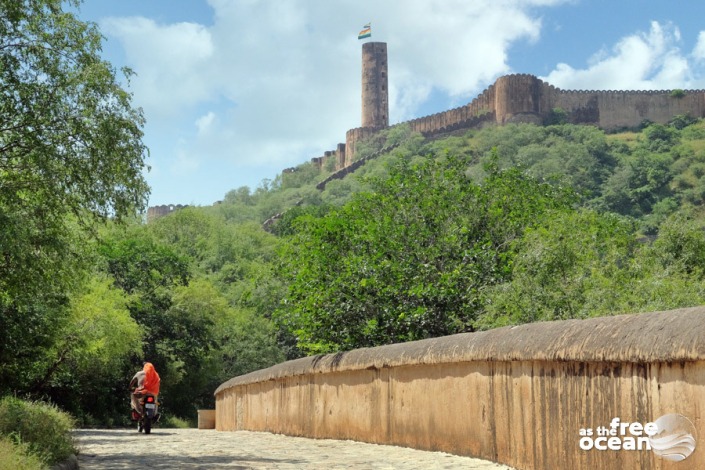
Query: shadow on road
x=125 y=461
x=116 y=449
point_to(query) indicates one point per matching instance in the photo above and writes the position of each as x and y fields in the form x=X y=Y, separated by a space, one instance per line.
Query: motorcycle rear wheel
x=147 y=425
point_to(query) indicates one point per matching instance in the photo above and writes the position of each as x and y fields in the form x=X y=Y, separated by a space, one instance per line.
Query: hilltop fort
x=513 y=99
x=517 y=98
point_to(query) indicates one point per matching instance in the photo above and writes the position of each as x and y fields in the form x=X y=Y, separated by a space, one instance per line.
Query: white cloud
x=185 y=162
x=642 y=61
x=170 y=61
x=204 y=124
x=699 y=51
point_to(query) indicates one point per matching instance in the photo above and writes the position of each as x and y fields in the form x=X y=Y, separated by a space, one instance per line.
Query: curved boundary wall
x=516 y=395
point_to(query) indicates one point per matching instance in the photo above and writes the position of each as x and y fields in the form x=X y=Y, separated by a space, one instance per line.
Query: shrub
x=174 y=422
x=42 y=427
x=557 y=116
x=17 y=456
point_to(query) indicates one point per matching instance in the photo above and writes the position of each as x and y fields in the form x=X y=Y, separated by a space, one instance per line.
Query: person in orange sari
x=145 y=381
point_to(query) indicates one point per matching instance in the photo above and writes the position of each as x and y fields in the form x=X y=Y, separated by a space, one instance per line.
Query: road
x=207 y=449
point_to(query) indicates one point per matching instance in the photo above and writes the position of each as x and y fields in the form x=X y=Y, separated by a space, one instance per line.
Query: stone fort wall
x=526 y=98
x=156 y=212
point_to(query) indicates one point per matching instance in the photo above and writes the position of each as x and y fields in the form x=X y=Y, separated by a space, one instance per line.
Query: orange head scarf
x=151 y=379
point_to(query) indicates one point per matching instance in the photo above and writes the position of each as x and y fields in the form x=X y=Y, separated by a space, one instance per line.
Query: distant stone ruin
x=155 y=212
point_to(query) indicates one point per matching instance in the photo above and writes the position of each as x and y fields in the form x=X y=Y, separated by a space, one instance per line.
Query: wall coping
x=668 y=336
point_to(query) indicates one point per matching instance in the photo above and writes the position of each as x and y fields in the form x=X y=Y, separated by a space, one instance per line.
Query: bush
x=42 y=427
x=17 y=456
x=175 y=422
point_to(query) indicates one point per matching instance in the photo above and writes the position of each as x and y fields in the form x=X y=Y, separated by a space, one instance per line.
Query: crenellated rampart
x=526 y=98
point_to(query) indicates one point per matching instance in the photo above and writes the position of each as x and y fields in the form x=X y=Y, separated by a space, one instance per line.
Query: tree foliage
x=70 y=153
x=70 y=139
x=410 y=260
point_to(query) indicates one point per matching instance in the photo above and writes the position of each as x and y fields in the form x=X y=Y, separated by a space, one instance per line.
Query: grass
x=629 y=138
x=41 y=427
x=174 y=422
x=18 y=456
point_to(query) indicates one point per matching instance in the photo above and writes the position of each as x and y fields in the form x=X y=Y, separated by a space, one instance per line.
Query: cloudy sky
x=234 y=91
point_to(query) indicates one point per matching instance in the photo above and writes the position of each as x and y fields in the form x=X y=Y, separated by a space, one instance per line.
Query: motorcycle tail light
x=150 y=399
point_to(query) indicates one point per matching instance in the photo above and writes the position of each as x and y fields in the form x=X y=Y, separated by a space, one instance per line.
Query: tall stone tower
x=375 y=94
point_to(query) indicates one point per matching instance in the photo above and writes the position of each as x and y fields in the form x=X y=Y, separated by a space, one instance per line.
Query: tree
x=70 y=153
x=149 y=271
x=559 y=265
x=639 y=182
x=70 y=139
x=212 y=343
x=188 y=350
x=409 y=261
x=86 y=365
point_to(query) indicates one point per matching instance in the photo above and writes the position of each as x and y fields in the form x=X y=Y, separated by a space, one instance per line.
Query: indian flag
x=366 y=32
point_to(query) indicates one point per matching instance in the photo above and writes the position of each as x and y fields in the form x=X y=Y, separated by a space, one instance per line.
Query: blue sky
x=234 y=91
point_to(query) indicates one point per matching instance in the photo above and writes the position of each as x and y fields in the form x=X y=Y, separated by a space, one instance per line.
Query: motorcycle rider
x=144 y=381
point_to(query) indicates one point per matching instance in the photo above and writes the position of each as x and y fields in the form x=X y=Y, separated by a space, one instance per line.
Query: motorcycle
x=150 y=413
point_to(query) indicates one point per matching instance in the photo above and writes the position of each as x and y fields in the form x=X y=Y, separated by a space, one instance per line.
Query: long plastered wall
x=518 y=396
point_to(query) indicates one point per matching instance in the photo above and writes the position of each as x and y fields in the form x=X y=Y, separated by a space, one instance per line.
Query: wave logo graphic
x=675 y=439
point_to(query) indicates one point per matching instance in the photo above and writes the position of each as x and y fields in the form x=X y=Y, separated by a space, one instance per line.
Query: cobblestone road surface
x=205 y=449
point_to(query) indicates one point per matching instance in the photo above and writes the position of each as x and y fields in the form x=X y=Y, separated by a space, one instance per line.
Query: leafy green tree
x=70 y=139
x=100 y=333
x=577 y=156
x=639 y=182
x=41 y=265
x=681 y=245
x=248 y=342
x=87 y=364
x=70 y=153
x=188 y=351
x=150 y=272
x=660 y=138
x=579 y=264
x=190 y=275
x=558 y=265
x=410 y=260
x=681 y=121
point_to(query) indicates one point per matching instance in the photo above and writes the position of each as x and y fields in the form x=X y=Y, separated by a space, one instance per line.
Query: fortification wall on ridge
x=526 y=98
x=619 y=109
x=480 y=106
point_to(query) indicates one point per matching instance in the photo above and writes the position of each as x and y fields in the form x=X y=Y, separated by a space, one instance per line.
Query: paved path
x=200 y=449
